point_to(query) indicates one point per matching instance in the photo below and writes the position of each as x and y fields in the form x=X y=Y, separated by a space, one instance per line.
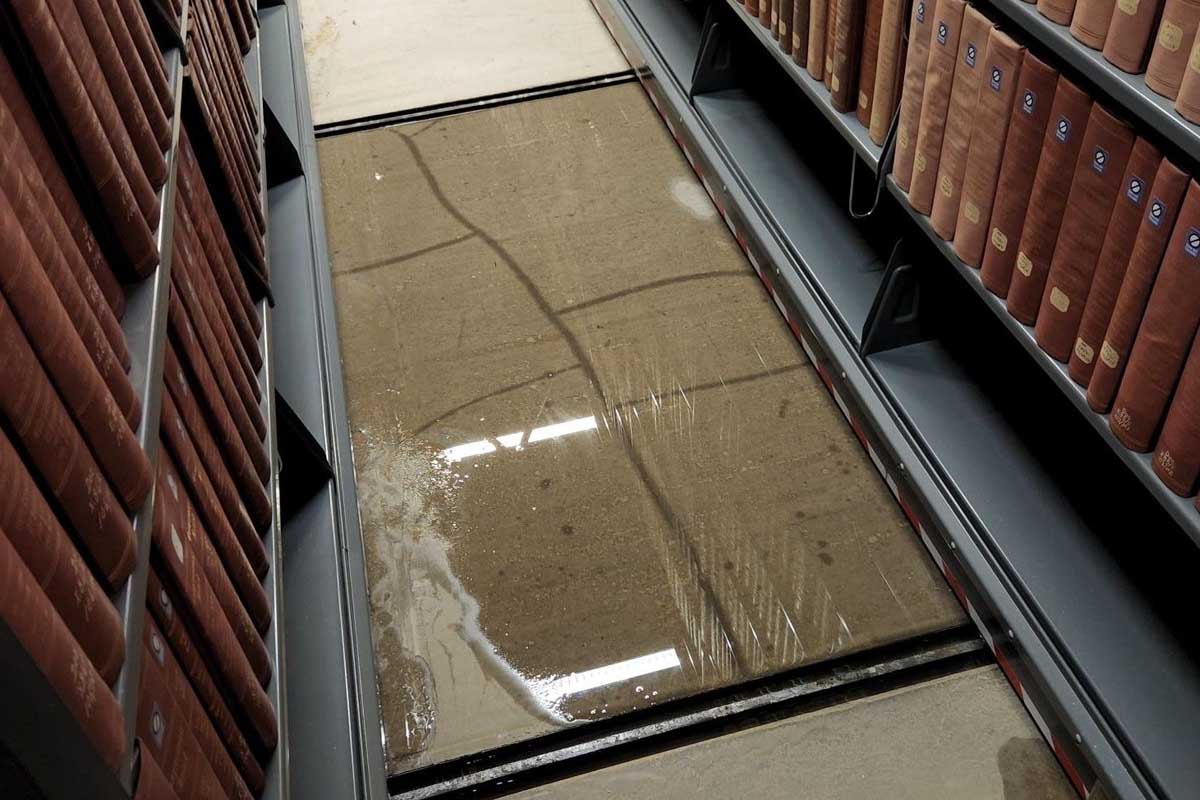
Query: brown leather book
x=889 y=70
x=150 y=783
x=67 y=362
x=54 y=447
x=157 y=656
x=235 y=537
x=1177 y=458
x=139 y=75
x=765 y=8
x=935 y=101
x=1094 y=188
x=1187 y=103
x=1172 y=46
x=1059 y=11
x=800 y=16
x=752 y=7
x=1127 y=45
x=1018 y=166
x=162 y=603
x=1165 y=335
x=1091 y=21
x=1166 y=195
x=56 y=183
x=251 y=499
x=146 y=133
x=831 y=13
x=59 y=569
x=164 y=733
x=873 y=18
x=34 y=623
x=783 y=28
x=1048 y=200
x=59 y=20
x=181 y=516
x=134 y=17
x=1001 y=70
x=960 y=121
x=121 y=203
x=920 y=34
x=180 y=568
x=1114 y=258
x=39 y=266
x=847 y=52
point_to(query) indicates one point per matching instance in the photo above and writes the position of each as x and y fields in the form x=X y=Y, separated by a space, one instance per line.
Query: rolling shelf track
x=1082 y=637
x=44 y=734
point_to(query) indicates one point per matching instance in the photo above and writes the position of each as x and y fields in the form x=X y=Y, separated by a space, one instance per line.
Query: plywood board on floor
x=596 y=471
x=366 y=58
x=965 y=736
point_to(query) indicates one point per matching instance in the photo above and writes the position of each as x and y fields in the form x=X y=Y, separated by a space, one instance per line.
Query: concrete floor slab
x=595 y=470
x=366 y=58
x=965 y=736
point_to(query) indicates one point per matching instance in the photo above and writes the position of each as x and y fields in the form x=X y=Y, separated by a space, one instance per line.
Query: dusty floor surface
x=596 y=471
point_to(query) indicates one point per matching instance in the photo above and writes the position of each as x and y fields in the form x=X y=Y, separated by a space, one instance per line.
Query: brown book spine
x=163 y=607
x=1001 y=68
x=181 y=567
x=69 y=365
x=1059 y=11
x=889 y=69
x=64 y=197
x=1114 y=258
x=1187 y=103
x=831 y=13
x=121 y=204
x=150 y=783
x=800 y=12
x=847 y=46
x=1166 y=196
x=783 y=29
x=1172 y=46
x=869 y=60
x=182 y=515
x=139 y=75
x=920 y=33
x=764 y=12
x=139 y=28
x=32 y=237
x=960 y=121
x=1127 y=44
x=157 y=657
x=1091 y=21
x=1099 y=170
x=52 y=442
x=1177 y=459
x=63 y=15
x=1164 y=336
x=752 y=7
x=1048 y=200
x=935 y=100
x=57 y=566
x=235 y=536
x=1018 y=166
x=144 y=132
x=164 y=732
x=34 y=623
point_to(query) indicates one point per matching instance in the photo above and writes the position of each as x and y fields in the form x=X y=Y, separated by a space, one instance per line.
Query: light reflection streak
x=621 y=671
x=512 y=441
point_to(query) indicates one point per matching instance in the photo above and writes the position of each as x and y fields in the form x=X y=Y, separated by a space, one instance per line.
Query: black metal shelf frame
x=50 y=728
x=1050 y=600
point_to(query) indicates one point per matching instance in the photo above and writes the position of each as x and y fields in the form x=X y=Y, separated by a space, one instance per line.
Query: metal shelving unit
x=1026 y=535
x=42 y=733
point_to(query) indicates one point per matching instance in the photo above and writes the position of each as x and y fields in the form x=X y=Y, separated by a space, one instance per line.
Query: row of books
x=1123 y=30
x=72 y=472
x=1091 y=235
x=219 y=35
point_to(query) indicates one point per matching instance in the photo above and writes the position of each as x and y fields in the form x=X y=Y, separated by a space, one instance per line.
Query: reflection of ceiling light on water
x=512 y=441
x=578 y=682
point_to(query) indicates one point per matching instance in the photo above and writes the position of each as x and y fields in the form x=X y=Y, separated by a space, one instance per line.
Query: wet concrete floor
x=595 y=470
x=965 y=736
